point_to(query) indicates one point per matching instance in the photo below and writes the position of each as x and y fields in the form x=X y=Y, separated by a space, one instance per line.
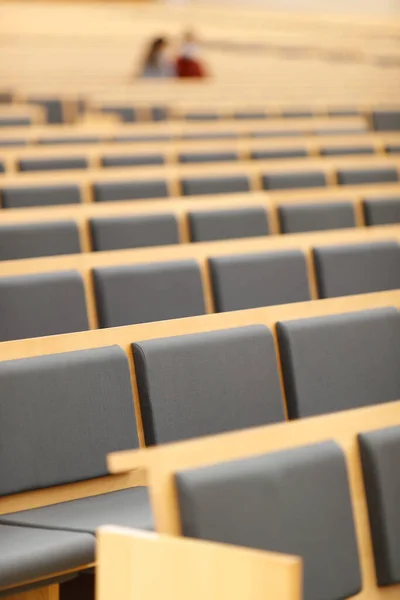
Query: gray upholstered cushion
x=200 y=157
x=252 y=280
x=76 y=139
x=60 y=416
x=141 y=138
x=357 y=268
x=382 y=211
x=370 y=175
x=125 y=508
x=131 y=160
x=343 y=112
x=4 y=143
x=15 y=121
x=107 y=191
x=293 y=501
x=339 y=362
x=150 y=292
x=134 y=231
x=392 y=148
x=380 y=455
x=159 y=113
x=281 y=181
x=53 y=164
x=250 y=115
x=53 y=108
x=205 y=383
x=279 y=153
x=386 y=120
x=41 y=195
x=127 y=114
x=345 y=150
x=226 y=224
x=206 y=116
x=341 y=130
x=29 y=553
x=27 y=240
x=297 y=114
x=2 y=168
x=217 y=135
x=295 y=218
x=268 y=133
x=215 y=185
x=42 y=304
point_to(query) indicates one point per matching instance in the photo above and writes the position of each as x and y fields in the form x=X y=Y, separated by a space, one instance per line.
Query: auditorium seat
x=126 y=114
x=267 y=133
x=42 y=304
x=392 y=148
x=294 y=501
x=226 y=224
x=382 y=211
x=297 y=114
x=346 y=150
x=159 y=113
x=380 y=456
x=107 y=191
x=40 y=195
x=141 y=138
x=4 y=143
x=207 y=383
x=52 y=164
x=77 y=139
x=117 y=233
x=199 y=116
x=370 y=175
x=128 y=295
x=245 y=115
x=295 y=218
x=215 y=185
x=344 y=112
x=49 y=238
x=357 y=269
x=131 y=160
x=200 y=157
x=340 y=362
x=386 y=120
x=277 y=153
x=253 y=280
x=53 y=108
x=2 y=167
x=217 y=135
x=282 y=181
x=15 y=121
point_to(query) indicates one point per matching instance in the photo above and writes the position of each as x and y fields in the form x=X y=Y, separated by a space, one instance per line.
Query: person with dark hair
x=189 y=63
x=158 y=62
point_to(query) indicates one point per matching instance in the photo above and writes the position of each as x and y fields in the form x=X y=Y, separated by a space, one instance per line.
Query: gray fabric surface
x=296 y=218
x=131 y=160
x=340 y=362
x=281 y=181
x=15 y=121
x=382 y=211
x=124 y=508
x=205 y=383
x=2 y=168
x=250 y=115
x=386 y=120
x=344 y=112
x=127 y=114
x=200 y=157
x=77 y=139
x=227 y=224
x=207 y=116
x=141 y=138
x=41 y=195
x=357 y=268
x=370 y=175
x=53 y=108
x=12 y=142
x=159 y=113
x=293 y=501
x=341 y=131
x=345 y=150
x=218 y=135
x=42 y=304
x=30 y=553
x=52 y=164
x=61 y=414
x=380 y=456
x=392 y=148
x=129 y=190
x=279 y=153
x=134 y=231
x=297 y=114
x=253 y=280
x=133 y=294
x=27 y=240
x=268 y=133
x=215 y=185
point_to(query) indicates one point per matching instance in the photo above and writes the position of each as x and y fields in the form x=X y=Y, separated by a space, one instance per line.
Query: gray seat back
x=131 y=160
x=382 y=211
x=295 y=218
x=206 y=383
x=253 y=280
x=127 y=114
x=386 y=120
x=346 y=150
x=340 y=362
x=250 y=115
x=293 y=501
x=76 y=139
x=53 y=164
x=357 y=268
x=227 y=224
x=282 y=181
x=42 y=304
x=61 y=414
x=15 y=121
x=204 y=157
x=28 y=240
x=370 y=175
x=392 y=148
x=53 y=107
x=150 y=292
x=115 y=233
x=41 y=195
x=215 y=185
x=217 y=135
x=277 y=153
x=2 y=167
x=108 y=191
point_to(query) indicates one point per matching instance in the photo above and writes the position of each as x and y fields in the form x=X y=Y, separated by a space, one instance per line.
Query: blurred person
x=189 y=63
x=158 y=62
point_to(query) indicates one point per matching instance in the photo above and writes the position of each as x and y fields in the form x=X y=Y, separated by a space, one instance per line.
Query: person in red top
x=188 y=63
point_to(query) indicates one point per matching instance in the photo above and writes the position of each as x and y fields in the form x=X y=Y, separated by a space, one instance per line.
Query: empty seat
x=15 y=121
x=380 y=455
x=109 y=191
x=382 y=211
x=200 y=157
x=141 y=138
x=344 y=112
x=52 y=164
x=116 y=233
x=41 y=195
x=217 y=135
x=392 y=148
x=151 y=292
x=41 y=304
x=198 y=116
x=357 y=269
x=341 y=131
x=159 y=113
x=4 y=143
x=226 y=224
x=215 y=185
x=207 y=383
x=77 y=139
x=340 y=362
x=294 y=501
x=370 y=175
x=279 y=153
x=127 y=114
x=301 y=179
x=28 y=240
x=131 y=160
x=250 y=115
x=53 y=108
x=386 y=120
x=345 y=150
x=295 y=218
x=267 y=133
x=2 y=168
x=297 y=114
x=249 y=281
